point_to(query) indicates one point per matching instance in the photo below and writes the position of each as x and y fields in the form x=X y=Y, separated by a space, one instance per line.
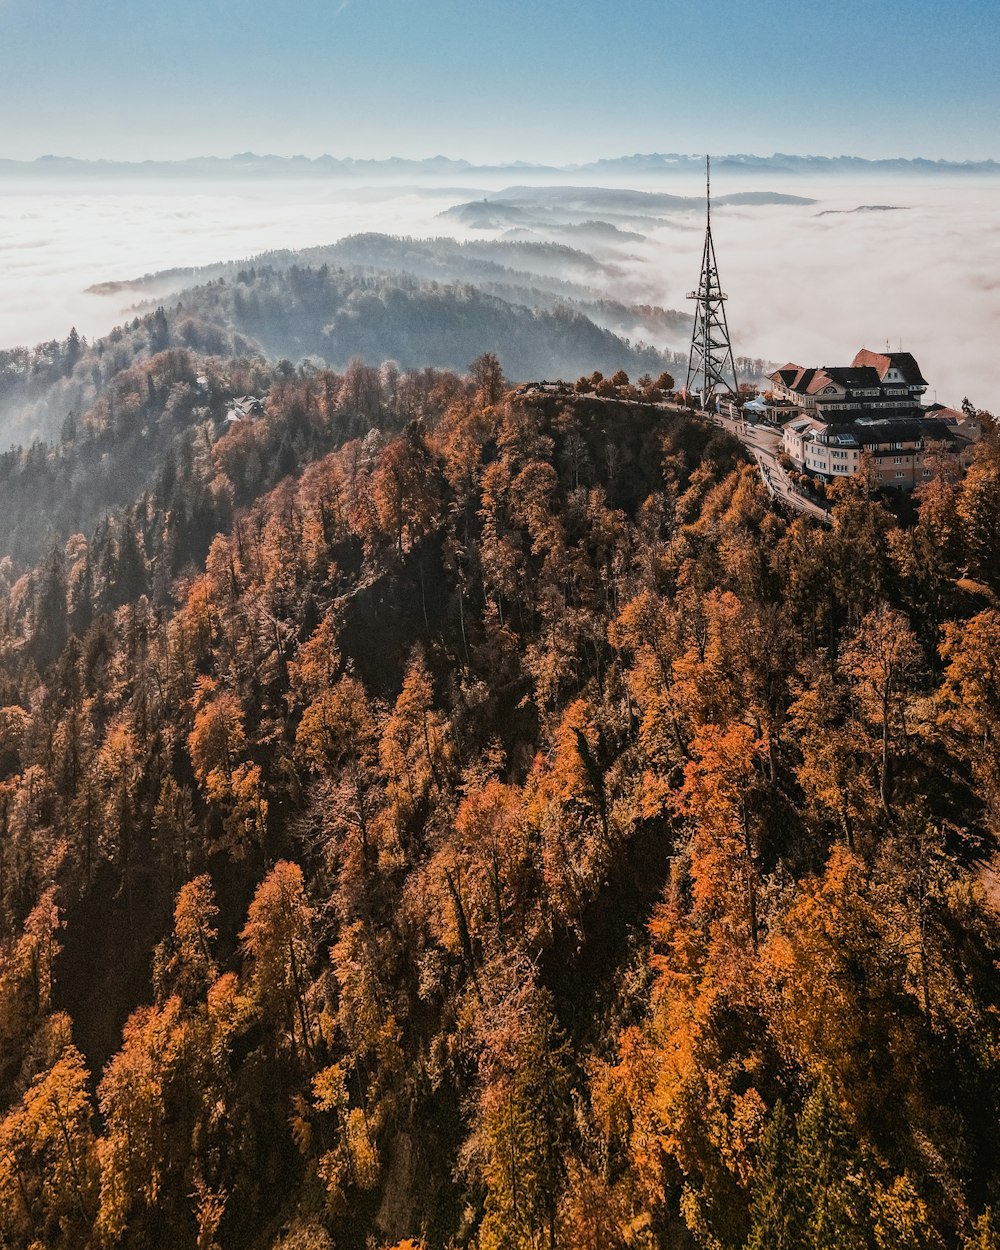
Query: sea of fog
x=807 y=283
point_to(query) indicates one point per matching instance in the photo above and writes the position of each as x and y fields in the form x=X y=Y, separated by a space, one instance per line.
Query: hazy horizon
x=509 y=80
x=430 y=154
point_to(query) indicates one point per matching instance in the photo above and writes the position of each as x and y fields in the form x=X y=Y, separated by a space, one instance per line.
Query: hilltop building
x=889 y=385
x=832 y=416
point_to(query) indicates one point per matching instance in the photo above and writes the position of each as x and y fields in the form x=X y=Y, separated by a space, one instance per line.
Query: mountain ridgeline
x=432 y=816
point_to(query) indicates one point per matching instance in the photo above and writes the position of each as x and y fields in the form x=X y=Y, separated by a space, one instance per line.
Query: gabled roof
x=851 y=379
x=882 y=362
x=796 y=378
x=787 y=374
x=814 y=381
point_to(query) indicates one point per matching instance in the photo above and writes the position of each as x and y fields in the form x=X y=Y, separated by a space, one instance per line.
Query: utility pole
x=711 y=357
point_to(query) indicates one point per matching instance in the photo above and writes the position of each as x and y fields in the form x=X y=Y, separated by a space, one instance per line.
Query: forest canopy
x=431 y=816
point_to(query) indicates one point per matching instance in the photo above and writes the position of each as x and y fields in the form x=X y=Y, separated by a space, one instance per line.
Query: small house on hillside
x=245 y=408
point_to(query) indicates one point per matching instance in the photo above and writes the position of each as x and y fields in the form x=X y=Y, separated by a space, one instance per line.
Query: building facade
x=833 y=417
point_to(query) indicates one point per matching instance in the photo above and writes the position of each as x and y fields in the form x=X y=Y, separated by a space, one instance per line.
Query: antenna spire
x=711 y=358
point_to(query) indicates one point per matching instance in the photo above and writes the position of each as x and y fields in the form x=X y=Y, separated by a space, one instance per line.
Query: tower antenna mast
x=710 y=361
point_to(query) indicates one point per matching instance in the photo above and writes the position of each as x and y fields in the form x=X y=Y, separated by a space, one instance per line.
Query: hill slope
x=499 y=829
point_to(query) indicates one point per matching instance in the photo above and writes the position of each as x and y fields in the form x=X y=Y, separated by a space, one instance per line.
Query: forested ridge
x=333 y=316
x=321 y=315
x=431 y=816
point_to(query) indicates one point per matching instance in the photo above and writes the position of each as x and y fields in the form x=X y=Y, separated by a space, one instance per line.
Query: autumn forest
x=432 y=816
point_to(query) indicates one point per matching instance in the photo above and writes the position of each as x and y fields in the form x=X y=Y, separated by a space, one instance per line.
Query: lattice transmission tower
x=711 y=357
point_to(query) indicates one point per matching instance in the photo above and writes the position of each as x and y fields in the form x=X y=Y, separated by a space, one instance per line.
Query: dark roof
x=899 y=430
x=844 y=416
x=889 y=431
x=853 y=378
x=795 y=377
x=909 y=368
x=882 y=362
x=879 y=433
x=942 y=432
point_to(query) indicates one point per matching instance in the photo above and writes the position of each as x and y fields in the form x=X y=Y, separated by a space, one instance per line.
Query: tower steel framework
x=711 y=357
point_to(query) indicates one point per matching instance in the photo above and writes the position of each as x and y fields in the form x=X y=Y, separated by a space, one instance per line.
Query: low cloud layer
x=57 y=241
x=813 y=287
x=805 y=283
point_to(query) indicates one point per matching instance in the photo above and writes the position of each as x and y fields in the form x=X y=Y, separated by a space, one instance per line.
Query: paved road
x=764 y=444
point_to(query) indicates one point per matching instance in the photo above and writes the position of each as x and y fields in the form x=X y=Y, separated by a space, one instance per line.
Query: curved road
x=762 y=441
x=764 y=444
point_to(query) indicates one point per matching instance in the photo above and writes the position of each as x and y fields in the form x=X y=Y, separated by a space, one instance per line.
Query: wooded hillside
x=432 y=814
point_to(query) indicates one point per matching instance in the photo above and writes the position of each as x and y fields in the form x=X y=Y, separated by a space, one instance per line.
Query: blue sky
x=554 y=80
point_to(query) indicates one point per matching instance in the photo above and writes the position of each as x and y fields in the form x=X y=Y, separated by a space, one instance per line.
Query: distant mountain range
x=251 y=165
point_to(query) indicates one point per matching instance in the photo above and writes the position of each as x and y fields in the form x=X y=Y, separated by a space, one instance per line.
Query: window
x=900 y=473
x=897 y=460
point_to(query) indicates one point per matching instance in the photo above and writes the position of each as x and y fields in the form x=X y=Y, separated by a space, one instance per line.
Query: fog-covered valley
x=815 y=266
